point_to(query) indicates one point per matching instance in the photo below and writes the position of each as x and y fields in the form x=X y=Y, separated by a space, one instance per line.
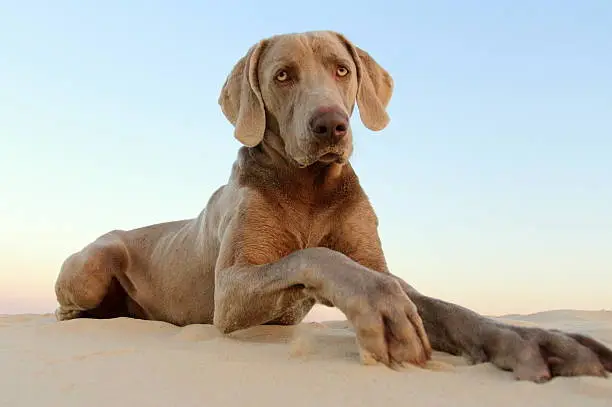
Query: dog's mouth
x=330 y=158
x=325 y=156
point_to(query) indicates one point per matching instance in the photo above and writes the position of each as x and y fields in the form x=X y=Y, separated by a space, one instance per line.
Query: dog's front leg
x=533 y=354
x=386 y=323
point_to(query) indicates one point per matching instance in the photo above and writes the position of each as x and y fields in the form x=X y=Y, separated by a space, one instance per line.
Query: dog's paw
x=537 y=355
x=64 y=313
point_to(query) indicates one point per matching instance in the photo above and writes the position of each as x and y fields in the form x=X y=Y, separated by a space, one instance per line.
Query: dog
x=293 y=227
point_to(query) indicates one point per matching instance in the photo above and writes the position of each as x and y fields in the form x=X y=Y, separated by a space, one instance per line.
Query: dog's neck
x=271 y=158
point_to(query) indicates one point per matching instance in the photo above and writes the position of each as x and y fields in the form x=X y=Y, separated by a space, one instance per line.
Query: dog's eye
x=342 y=71
x=282 y=76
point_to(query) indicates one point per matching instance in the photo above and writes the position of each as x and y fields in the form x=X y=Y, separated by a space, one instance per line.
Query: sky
x=492 y=183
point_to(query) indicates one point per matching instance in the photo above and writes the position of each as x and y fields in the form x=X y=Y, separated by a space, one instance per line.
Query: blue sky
x=493 y=182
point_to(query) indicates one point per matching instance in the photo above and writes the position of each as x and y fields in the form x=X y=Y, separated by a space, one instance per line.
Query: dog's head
x=303 y=87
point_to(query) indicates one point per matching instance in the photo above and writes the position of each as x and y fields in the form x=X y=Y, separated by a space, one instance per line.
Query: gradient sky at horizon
x=493 y=182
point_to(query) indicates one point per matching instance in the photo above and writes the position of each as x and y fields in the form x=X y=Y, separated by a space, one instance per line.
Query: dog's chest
x=310 y=229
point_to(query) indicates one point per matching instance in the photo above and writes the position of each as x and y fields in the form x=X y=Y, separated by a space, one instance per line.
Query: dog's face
x=303 y=87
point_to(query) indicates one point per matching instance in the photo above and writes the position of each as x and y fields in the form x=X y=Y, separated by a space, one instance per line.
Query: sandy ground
x=125 y=362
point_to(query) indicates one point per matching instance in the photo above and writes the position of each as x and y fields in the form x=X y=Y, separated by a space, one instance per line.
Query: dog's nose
x=332 y=124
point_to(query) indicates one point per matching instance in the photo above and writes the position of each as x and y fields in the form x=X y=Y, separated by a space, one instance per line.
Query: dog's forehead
x=301 y=47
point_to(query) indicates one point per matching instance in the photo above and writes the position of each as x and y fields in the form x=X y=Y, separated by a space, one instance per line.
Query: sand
x=124 y=362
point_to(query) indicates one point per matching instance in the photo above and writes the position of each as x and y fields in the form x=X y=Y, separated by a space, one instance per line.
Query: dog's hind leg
x=87 y=285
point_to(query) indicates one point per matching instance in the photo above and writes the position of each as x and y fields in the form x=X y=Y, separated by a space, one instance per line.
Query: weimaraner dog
x=293 y=227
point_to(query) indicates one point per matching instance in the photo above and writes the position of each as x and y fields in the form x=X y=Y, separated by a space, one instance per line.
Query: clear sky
x=493 y=182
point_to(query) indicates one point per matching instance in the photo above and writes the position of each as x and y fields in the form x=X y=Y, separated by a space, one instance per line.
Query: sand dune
x=125 y=362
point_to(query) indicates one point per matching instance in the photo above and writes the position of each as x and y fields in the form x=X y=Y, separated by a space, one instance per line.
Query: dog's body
x=293 y=227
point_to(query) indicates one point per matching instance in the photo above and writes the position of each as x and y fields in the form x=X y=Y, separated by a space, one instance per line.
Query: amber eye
x=282 y=76
x=342 y=71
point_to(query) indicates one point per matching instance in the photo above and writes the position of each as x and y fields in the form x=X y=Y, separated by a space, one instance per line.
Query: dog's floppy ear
x=241 y=100
x=375 y=88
